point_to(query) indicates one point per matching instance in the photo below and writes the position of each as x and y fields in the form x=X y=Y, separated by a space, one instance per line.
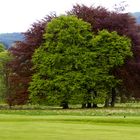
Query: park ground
x=24 y=123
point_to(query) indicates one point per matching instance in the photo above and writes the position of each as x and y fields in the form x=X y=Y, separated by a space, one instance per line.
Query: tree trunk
x=94 y=105
x=88 y=105
x=107 y=101
x=64 y=104
x=89 y=99
x=113 y=97
x=83 y=105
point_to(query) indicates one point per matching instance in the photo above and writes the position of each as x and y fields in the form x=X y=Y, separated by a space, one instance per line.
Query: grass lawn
x=28 y=125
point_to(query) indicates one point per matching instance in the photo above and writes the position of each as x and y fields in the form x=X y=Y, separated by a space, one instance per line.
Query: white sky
x=18 y=15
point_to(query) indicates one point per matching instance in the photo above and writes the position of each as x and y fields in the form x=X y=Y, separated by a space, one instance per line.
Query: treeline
x=8 y=39
x=88 y=56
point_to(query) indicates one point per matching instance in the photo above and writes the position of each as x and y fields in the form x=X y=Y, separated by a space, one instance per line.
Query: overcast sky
x=18 y=15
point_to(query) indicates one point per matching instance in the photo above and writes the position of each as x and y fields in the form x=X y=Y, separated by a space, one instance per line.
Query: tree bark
x=83 y=105
x=113 y=98
x=94 y=105
x=107 y=101
x=65 y=105
x=88 y=105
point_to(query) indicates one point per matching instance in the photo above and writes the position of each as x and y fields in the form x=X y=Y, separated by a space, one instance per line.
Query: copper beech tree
x=124 y=24
x=20 y=68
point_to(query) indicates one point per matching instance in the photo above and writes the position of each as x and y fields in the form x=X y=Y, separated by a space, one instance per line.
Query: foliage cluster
x=110 y=67
x=72 y=64
x=124 y=24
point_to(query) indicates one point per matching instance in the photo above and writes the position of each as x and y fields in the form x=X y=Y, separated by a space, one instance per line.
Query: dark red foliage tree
x=19 y=70
x=100 y=18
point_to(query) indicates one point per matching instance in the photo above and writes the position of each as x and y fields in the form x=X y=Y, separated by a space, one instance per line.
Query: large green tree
x=74 y=66
x=112 y=51
x=64 y=62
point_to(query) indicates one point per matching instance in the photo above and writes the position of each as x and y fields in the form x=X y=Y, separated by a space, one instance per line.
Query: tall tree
x=124 y=24
x=112 y=51
x=61 y=62
x=20 y=68
x=73 y=65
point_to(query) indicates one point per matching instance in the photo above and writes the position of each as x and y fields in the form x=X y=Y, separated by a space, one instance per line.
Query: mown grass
x=63 y=127
x=51 y=123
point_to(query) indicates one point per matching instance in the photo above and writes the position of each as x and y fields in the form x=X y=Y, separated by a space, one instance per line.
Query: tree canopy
x=100 y=18
x=124 y=24
x=73 y=65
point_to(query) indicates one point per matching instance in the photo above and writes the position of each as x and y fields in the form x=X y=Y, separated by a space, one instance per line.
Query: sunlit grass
x=53 y=123
x=63 y=127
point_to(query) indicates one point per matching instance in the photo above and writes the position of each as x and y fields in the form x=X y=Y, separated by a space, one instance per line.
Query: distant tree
x=124 y=24
x=20 y=67
x=4 y=58
x=2 y=48
x=8 y=39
